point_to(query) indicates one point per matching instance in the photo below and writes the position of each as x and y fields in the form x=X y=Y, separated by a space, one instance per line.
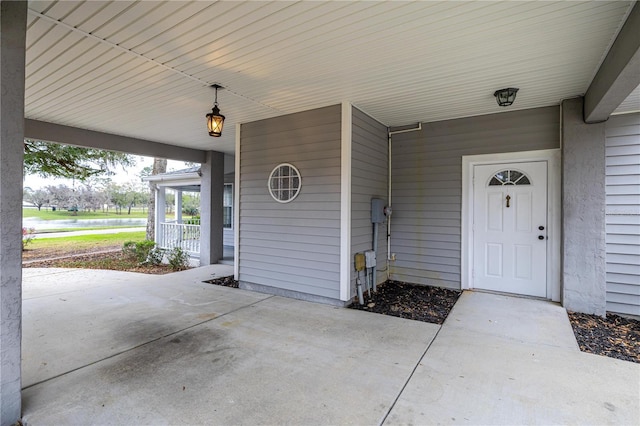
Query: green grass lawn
x=64 y=214
x=81 y=242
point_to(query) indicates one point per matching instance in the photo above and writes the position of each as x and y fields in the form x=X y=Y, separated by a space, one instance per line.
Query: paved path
x=105 y=347
x=87 y=232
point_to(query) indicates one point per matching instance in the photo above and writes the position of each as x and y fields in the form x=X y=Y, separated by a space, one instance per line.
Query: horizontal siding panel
x=296 y=231
x=319 y=263
x=299 y=285
x=625 y=139
x=424 y=229
x=623 y=160
x=630 y=249
x=623 y=220
x=418 y=277
x=628 y=150
x=435 y=260
x=306 y=277
x=629 y=279
x=287 y=222
x=629 y=299
x=623 y=229
x=622 y=268
x=623 y=288
x=630 y=189
x=301 y=159
x=623 y=308
x=319 y=239
x=626 y=200
x=622 y=239
x=632 y=171
x=268 y=247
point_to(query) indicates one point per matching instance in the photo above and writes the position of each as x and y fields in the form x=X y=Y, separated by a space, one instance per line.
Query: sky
x=121 y=176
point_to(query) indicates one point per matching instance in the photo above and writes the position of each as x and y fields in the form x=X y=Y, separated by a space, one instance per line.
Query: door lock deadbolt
x=541 y=228
x=541 y=237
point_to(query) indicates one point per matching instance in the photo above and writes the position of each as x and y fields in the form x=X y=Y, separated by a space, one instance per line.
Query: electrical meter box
x=370 y=259
x=377 y=211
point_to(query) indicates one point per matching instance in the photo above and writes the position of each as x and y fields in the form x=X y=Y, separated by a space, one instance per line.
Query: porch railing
x=187 y=237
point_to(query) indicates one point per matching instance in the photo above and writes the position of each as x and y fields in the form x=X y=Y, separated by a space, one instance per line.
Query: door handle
x=541 y=228
x=541 y=237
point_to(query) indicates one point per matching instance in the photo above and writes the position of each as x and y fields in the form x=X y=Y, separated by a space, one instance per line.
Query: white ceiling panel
x=143 y=68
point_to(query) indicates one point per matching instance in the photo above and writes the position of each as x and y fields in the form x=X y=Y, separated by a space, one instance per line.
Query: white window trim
x=232 y=207
x=299 y=183
x=552 y=156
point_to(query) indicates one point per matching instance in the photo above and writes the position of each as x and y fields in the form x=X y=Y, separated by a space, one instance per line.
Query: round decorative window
x=284 y=183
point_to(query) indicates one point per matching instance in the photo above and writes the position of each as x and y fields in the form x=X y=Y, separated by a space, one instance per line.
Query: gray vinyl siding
x=623 y=213
x=427 y=185
x=293 y=246
x=369 y=175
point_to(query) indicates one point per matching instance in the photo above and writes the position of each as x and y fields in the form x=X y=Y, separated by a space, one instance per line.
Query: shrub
x=27 y=236
x=144 y=252
x=178 y=259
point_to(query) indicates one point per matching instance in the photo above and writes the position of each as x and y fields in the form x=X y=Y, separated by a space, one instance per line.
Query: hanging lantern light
x=215 y=120
x=505 y=97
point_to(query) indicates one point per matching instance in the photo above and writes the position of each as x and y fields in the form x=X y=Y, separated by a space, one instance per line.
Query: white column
x=178 y=206
x=13 y=19
x=161 y=208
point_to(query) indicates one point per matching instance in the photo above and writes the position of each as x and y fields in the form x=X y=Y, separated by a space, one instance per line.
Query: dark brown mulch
x=613 y=336
x=114 y=261
x=410 y=301
x=224 y=281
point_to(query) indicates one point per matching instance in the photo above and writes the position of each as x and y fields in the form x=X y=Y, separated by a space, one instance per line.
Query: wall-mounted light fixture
x=505 y=97
x=215 y=120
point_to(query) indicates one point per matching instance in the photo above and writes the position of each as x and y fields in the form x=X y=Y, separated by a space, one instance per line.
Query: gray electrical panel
x=377 y=211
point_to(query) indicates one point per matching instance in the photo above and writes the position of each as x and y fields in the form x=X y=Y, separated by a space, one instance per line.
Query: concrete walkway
x=122 y=348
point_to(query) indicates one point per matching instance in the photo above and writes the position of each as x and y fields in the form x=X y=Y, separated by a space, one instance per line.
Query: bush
x=178 y=259
x=27 y=236
x=144 y=252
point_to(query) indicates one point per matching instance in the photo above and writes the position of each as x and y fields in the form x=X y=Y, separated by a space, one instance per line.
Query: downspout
x=390 y=133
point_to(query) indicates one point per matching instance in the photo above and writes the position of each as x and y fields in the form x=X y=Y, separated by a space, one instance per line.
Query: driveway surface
x=102 y=347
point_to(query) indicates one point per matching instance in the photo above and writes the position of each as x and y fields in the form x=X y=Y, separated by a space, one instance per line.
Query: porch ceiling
x=142 y=69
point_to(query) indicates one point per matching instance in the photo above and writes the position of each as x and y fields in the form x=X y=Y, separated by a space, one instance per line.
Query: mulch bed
x=224 y=281
x=114 y=261
x=613 y=336
x=410 y=301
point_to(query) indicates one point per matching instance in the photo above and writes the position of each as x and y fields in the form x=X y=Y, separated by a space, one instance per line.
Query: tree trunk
x=159 y=166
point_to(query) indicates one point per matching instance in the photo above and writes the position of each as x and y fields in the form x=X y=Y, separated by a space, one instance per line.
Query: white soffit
x=141 y=69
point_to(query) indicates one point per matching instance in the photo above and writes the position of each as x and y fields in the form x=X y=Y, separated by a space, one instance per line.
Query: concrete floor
x=116 y=348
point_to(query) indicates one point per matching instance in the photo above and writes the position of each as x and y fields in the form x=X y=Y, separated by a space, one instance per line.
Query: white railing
x=187 y=237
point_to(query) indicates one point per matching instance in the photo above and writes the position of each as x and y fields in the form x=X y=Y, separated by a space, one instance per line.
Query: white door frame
x=552 y=156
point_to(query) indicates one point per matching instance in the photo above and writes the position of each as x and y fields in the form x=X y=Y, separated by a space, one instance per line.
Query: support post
x=211 y=211
x=583 y=212
x=13 y=19
x=161 y=208
x=178 y=206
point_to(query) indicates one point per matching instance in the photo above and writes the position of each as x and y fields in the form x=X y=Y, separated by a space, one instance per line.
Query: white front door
x=510 y=228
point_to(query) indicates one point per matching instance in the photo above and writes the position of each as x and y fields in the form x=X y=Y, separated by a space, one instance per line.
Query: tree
x=49 y=159
x=159 y=166
x=38 y=197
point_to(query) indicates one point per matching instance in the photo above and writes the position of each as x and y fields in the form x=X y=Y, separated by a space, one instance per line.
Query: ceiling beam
x=41 y=130
x=619 y=73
